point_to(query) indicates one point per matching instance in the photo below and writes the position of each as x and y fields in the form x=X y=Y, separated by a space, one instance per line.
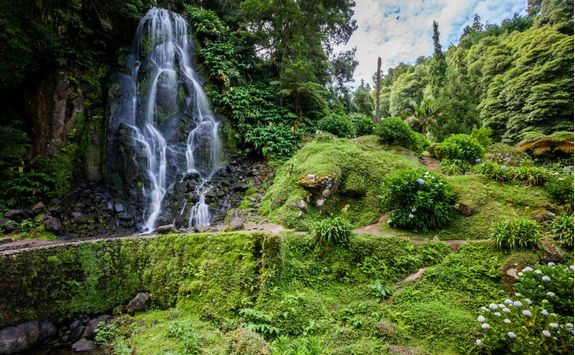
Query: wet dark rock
x=83 y=345
x=165 y=229
x=17 y=215
x=118 y=208
x=76 y=214
x=92 y=325
x=138 y=303
x=19 y=338
x=7 y=225
x=109 y=207
x=124 y=216
x=47 y=331
x=38 y=208
x=52 y=224
x=201 y=228
x=75 y=331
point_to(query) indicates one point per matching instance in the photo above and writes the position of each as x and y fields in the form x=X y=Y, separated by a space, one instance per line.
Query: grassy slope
x=491 y=202
x=326 y=295
x=358 y=164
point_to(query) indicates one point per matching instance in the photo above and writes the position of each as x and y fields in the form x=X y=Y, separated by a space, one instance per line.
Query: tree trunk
x=378 y=91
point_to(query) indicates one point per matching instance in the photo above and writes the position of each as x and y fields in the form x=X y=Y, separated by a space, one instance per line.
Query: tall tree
x=378 y=91
x=363 y=100
x=438 y=64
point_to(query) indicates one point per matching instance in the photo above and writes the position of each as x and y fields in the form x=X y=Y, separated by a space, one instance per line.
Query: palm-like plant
x=540 y=144
x=421 y=117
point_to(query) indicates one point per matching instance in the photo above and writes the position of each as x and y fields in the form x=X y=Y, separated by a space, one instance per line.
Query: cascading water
x=167 y=115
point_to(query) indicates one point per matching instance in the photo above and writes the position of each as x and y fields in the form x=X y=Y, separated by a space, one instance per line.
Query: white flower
x=517 y=294
x=572 y=267
x=528 y=301
x=493 y=306
x=508 y=301
x=527 y=269
x=506 y=320
x=497 y=314
x=413 y=209
x=517 y=304
x=501 y=305
x=538 y=272
x=569 y=325
x=481 y=319
x=544 y=312
x=511 y=335
x=506 y=310
x=546 y=333
x=520 y=274
x=554 y=325
x=544 y=301
x=546 y=278
x=411 y=215
x=551 y=294
x=550 y=264
x=484 y=309
x=485 y=326
x=478 y=342
x=527 y=313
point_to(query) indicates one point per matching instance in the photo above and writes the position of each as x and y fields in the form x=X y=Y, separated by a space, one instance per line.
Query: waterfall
x=168 y=116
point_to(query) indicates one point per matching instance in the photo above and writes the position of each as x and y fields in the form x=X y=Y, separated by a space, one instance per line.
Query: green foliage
x=461 y=147
x=515 y=234
x=423 y=116
x=13 y=145
x=560 y=187
x=306 y=346
x=417 y=199
x=187 y=336
x=562 y=230
x=393 y=131
x=106 y=333
x=454 y=167
x=550 y=286
x=363 y=125
x=520 y=326
x=337 y=124
x=274 y=142
x=507 y=155
x=529 y=175
x=552 y=146
x=332 y=231
x=482 y=135
x=259 y=322
x=28 y=188
x=381 y=291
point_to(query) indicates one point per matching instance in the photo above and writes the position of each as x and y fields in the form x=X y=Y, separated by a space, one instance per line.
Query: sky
x=401 y=30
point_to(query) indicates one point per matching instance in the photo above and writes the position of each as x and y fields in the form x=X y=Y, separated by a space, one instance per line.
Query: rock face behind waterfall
x=163 y=143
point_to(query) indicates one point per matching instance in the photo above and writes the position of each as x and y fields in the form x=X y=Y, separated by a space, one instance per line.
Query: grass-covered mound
x=487 y=202
x=333 y=176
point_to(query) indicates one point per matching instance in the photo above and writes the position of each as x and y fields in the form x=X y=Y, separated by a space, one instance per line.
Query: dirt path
x=375 y=229
x=430 y=163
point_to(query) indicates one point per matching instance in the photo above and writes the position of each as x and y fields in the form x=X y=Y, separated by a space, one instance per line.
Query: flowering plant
x=418 y=199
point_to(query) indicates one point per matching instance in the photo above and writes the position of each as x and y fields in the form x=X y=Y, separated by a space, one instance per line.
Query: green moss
x=357 y=166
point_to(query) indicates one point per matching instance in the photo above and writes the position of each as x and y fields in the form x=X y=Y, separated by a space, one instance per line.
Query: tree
x=378 y=91
x=438 y=65
x=363 y=100
x=421 y=117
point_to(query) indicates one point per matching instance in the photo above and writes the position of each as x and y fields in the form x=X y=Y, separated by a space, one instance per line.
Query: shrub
x=454 y=167
x=335 y=230
x=562 y=230
x=274 y=142
x=504 y=154
x=417 y=199
x=393 y=131
x=560 y=187
x=528 y=175
x=519 y=326
x=339 y=125
x=462 y=147
x=363 y=124
x=28 y=188
x=549 y=285
x=520 y=233
x=422 y=142
x=482 y=136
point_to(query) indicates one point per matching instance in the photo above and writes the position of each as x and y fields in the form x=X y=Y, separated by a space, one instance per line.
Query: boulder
x=17 y=215
x=90 y=330
x=299 y=205
x=165 y=229
x=83 y=345
x=324 y=185
x=52 y=224
x=118 y=208
x=47 y=331
x=19 y=338
x=236 y=223
x=385 y=329
x=201 y=228
x=138 y=303
x=465 y=209
x=38 y=208
x=247 y=342
x=7 y=225
x=75 y=331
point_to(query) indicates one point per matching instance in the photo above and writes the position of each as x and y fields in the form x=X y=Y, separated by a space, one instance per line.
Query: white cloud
x=401 y=30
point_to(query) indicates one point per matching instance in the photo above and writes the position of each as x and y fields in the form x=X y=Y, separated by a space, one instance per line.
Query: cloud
x=400 y=30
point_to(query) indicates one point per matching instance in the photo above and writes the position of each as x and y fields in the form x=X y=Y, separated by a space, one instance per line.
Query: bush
x=528 y=175
x=393 y=131
x=363 y=124
x=504 y=154
x=422 y=142
x=482 y=136
x=336 y=124
x=454 y=167
x=520 y=326
x=461 y=147
x=417 y=199
x=560 y=187
x=562 y=230
x=549 y=285
x=520 y=233
x=334 y=231
x=274 y=142
x=28 y=189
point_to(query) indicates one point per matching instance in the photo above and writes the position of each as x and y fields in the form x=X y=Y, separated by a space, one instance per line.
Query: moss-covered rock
x=333 y=176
